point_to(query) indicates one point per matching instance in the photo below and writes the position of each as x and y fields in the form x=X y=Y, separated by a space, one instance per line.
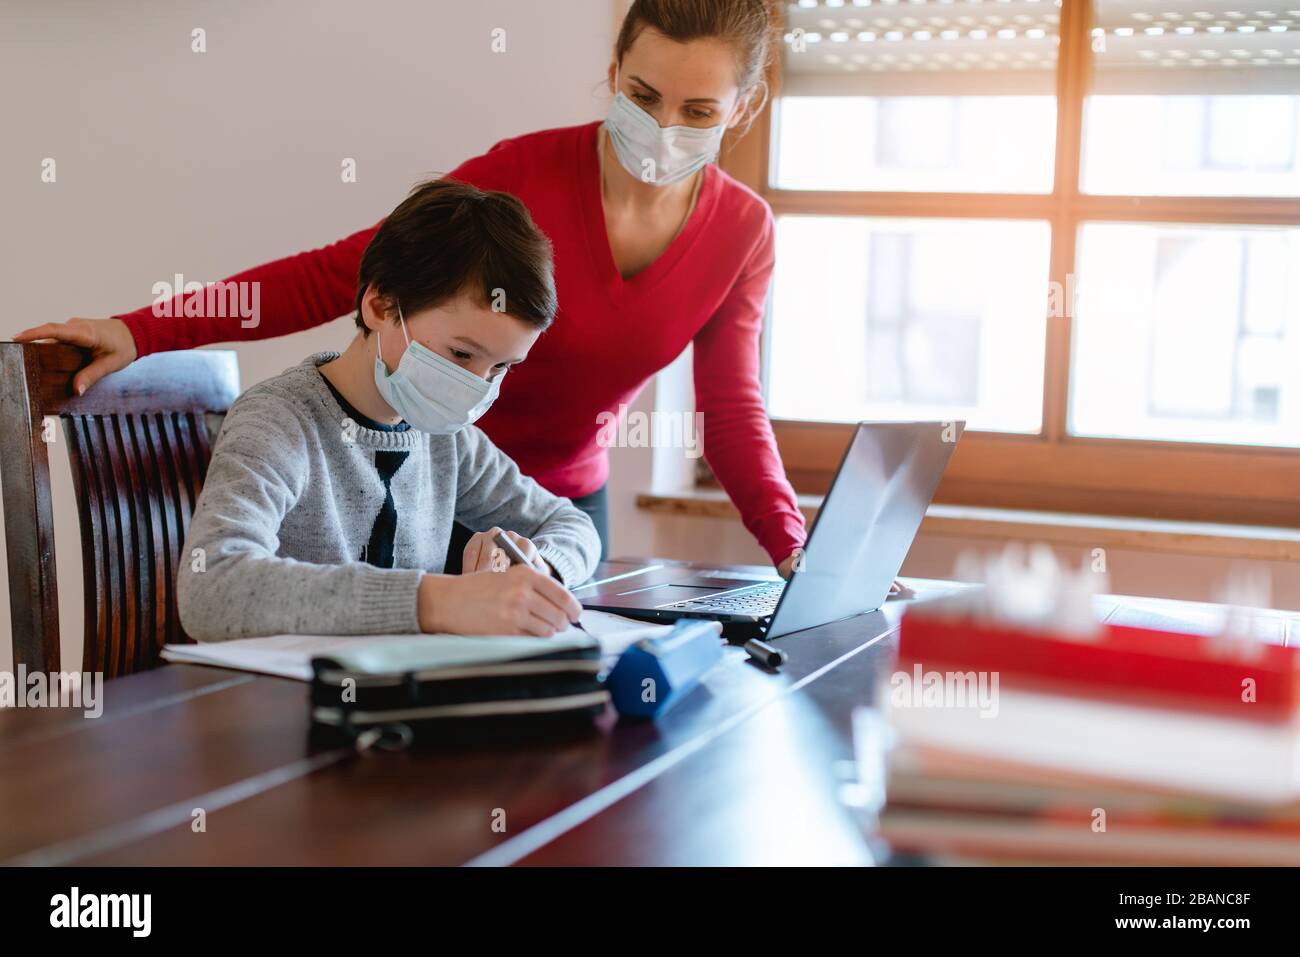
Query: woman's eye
x=701 y=115
x=643 y=98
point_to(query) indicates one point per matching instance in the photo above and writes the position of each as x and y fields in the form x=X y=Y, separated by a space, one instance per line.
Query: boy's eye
x=462 y=356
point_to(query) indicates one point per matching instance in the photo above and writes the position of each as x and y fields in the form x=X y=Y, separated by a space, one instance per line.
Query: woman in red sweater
x=655 y=249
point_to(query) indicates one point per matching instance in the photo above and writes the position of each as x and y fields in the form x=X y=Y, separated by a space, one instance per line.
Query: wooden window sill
x=1247 y=542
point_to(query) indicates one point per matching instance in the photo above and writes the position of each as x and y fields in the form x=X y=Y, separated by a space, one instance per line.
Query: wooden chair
x=139 y=447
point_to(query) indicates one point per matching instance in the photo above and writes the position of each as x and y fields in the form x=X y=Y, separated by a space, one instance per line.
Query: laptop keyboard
x=760 y=601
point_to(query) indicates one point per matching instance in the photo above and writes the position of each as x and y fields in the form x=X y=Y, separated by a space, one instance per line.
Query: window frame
x=1054 y=470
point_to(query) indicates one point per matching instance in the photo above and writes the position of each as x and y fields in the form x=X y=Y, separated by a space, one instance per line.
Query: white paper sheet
x=289 y=656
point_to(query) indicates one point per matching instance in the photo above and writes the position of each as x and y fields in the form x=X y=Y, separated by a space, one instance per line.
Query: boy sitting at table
x=329 y=502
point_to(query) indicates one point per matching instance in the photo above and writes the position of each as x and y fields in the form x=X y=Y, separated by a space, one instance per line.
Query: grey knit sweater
x=292 y=494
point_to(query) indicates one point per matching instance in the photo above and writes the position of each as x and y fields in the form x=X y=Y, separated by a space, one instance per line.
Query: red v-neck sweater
x=611 y=335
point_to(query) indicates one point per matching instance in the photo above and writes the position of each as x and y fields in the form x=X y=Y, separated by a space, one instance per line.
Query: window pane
x=920 y=143
x=926 y=95
x=1187 y=333
x=1203 y=99
x=896 y=318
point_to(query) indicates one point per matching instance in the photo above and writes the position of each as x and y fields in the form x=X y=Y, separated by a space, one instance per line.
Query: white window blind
x=921 y=48
x=1205 y=47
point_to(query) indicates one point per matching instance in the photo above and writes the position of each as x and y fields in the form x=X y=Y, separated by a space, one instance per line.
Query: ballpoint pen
x=517 y=557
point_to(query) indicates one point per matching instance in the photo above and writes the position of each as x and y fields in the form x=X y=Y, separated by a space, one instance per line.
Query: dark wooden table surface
x=743 y=771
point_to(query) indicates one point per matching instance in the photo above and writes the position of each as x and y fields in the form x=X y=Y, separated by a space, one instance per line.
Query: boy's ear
x=375 y=308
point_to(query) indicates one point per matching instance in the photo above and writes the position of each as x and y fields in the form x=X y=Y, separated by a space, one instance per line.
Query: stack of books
x=1120 y=745
x=1060 y=780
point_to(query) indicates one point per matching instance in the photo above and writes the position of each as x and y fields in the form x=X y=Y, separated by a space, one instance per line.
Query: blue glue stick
x=655 y=673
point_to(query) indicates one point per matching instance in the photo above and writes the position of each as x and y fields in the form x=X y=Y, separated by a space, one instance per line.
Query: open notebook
x=289 y=656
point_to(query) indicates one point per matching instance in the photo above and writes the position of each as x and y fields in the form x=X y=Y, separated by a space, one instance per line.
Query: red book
x=1251 y=680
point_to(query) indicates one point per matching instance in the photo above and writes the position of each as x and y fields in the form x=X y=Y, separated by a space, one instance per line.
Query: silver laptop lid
x=867 y=522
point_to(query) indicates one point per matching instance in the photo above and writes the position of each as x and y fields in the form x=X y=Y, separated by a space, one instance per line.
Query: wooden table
x=743 y=771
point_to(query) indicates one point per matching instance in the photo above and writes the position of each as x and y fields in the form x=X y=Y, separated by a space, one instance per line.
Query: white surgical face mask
x=656 y=154
x=433 y=394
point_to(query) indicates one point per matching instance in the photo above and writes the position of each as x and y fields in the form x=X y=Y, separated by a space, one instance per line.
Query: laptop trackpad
x=675 y=591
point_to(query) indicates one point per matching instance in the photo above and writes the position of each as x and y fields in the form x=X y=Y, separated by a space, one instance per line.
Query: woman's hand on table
x=795 y=563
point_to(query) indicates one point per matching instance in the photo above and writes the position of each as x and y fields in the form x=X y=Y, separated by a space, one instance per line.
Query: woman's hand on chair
x=110 y=342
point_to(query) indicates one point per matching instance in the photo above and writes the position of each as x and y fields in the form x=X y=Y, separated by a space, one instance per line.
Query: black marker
x=765 y=654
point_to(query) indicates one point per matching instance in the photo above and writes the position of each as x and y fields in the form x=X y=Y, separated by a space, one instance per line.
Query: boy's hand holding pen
x=523 y=598
x=511 y=545
x=496 y=550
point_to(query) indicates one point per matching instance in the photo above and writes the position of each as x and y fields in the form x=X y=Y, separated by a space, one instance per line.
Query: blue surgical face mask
x=659 y=155
x=433 y=394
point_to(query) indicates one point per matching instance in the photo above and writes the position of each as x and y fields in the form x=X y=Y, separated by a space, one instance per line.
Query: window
x=923 y=143
x=1188 y=333
x=1074 y=224
x=927 y=318
x=918 y=96
x=1198 y=145
x=1202 y=99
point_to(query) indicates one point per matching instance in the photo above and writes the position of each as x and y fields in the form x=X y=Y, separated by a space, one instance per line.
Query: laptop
x=855 y=549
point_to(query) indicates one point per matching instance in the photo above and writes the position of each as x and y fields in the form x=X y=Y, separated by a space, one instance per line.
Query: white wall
x=172 y=161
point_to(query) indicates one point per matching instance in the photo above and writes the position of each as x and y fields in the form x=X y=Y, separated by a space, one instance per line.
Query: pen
x=507 y=545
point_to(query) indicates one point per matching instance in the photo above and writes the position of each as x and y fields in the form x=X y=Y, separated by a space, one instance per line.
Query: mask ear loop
x=379 y=343
x=402 y=320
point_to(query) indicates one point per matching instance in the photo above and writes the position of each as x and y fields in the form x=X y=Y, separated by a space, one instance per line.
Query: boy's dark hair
x=447 y=239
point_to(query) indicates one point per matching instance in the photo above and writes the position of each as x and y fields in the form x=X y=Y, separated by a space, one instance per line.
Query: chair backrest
x=139 y=447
